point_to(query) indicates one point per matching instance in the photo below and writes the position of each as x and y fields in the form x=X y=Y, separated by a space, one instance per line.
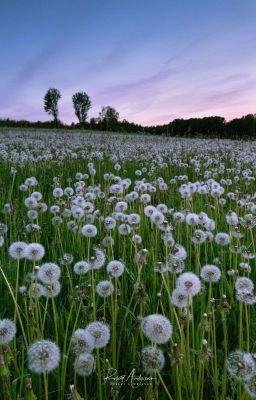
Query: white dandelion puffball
x=210 y=273
x=57 y=192
x=43 y=356
x=7 y=330
x=17 y=250
x=52 y=290
x=84 y=364
x=157 y=217
x=98 y=260
x=222 y=238
x=157 y=328
x=192 y=219
x=36 y=290
x=48 y=273
x=34 y=251
x=189 y=282
x=81 y=267
x=115 y=268
x=82 y=341
x=243 y=284
x=89 y=230
x=152 y=359
x=104 y=288
x=100 y=332
x=250 y=387
x=180 y=298
x=124 y=229
x=241 y=365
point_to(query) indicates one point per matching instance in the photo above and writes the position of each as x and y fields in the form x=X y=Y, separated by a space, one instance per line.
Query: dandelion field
x=127 y=267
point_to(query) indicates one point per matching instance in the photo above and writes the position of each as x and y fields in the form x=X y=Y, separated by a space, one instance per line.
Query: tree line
x=109 y=120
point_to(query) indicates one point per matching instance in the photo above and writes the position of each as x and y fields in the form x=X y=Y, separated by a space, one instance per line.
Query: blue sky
x=152 y=60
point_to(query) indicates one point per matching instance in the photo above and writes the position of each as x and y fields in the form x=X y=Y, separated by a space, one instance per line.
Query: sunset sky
x=153 y=61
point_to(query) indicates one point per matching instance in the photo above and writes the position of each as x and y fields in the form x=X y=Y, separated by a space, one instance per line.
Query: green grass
x=192 y=370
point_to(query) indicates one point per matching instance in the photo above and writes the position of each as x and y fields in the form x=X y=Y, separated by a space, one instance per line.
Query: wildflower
x=104 y=288
x=210 y=273
x=36 y=290
x=137 y=239
x=84 y=364
x=244 y=283
x=109 y=223
x=189 y=282
x=67 y=259
x=157 y=328
x=7 y=331
x=179 y=253
x=89 y=230
x=30 y=202
x=82 y=341
x=121 y=206
x=48 y=273
x=180 y=298
x=43 y=356
x=152 y=359
x=149 y=210
x=157 y=217
x=34 y=251
x=17 y=250
x=192 y=219
x=222 y=238
x=198 y=236
x=100 y=333
x=250 y=387
x=241 y=365
x=108 y=241
x=246 y=297
x=145 y=198
x=115 y=268
x=98 y=260
x=175 y=265
x=52 y=290
x=124 y=229
x=248 y=221
x=178 y=217
x=57 y=192
x=133 y=219
x=81 y=267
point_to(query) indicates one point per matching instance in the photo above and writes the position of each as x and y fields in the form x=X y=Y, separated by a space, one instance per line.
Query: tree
x=81 y=104
x=109 y=118
x=51 y=98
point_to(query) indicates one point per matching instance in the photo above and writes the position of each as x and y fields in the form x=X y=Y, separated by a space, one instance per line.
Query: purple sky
x=153 y=61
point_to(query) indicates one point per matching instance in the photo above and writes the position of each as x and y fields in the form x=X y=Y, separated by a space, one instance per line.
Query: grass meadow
x=127 y=267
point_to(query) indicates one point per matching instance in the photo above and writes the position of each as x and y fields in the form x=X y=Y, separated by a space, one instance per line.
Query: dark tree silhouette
x=51 y=98
x=109 y=118
x=81 y=104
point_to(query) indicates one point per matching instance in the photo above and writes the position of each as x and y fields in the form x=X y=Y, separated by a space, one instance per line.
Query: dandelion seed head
x=34 y=251
x=241 y=365
x=156 y=328
x=82 y=341
x=105 y=288
x=152 y=359
x=189 y=282
x=210 y=273
x=48 y=273
x=100 y=333
x=84 y=364
x=43 y=356
x=17 y=250
x=115 y=268
x=7 y=331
